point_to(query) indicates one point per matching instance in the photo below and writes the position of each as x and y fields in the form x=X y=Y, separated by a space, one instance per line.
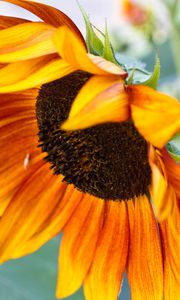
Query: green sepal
x=173 y=148
x=131 y=77
x=153 y=80
x=94 y=44
x=108 y=52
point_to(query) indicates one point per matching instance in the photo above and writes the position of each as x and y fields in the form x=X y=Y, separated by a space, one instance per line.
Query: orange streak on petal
x=171 y=248
x=144 y=269
x=18 y=141
x=34 y=201
x=24 y=35
x=54 y=223
x=7 y=21
x=105 y=276
x=78 y=245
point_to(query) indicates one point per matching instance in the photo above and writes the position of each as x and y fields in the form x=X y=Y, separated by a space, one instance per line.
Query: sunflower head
x=89 y=158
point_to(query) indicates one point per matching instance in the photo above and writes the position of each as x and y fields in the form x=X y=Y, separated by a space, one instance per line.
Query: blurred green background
x=34 y=277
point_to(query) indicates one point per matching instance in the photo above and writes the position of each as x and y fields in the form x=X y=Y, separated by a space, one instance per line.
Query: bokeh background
x=137 y=29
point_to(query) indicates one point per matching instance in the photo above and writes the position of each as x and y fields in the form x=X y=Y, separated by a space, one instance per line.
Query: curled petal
x=102 y=99
x=156 y=115
x=71 y=49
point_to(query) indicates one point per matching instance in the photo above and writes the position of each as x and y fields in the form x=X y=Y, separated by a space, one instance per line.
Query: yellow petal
x=43 y=73
x=144 y=268
x=79 y=244
x=48 y=14
x=71 y=49
x=9 y=74
x=156 y=115
x=105 y=275
x=102 y=99
x=43 y=48
x=22 y=36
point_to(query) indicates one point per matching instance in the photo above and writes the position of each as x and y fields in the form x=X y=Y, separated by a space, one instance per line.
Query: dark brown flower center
x=109 y=160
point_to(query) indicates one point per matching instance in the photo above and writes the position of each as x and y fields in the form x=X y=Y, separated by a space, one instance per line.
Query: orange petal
x=173 y=171
x=171 y=250
x=105 y=276
x=18 y=128
x=33 y=203
x=6 y=22
x=48 y=14
x=53 y=224
x=78 y=245
x=44 y=72
x=155 y=115
x=71 y=49
x=144 y=269
x=102 y=99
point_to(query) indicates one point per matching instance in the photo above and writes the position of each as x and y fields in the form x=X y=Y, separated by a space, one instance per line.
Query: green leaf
x=108 y=52
x=93 y=42
x=174 y=148
x=152 y=81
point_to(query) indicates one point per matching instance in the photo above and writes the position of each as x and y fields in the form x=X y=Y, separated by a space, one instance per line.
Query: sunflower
x=84 y=152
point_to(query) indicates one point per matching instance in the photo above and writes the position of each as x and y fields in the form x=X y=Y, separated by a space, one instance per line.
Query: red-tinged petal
x=144 y=269
x=48 y=14
x=155 y=115
x=71 y=49
x=173 y=171
x=171 y=248
x=34 y=201
x=6 y=22
x=79 y=244
x=105 y=275
x=53 y=224
x=18 y=143
x=46 y=72
x=102 y=99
